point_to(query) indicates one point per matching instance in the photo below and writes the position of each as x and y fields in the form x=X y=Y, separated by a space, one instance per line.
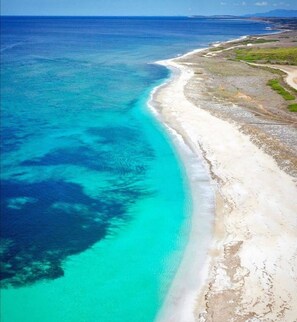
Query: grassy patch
x=257 y=41
x=275 y=85
x=243 y=42
x=216 y=48
x=292 y=107
x=268 y=55
x=263 y=41
x=271 y=70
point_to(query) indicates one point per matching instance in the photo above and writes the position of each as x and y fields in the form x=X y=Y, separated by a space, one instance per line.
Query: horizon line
x=128 y=16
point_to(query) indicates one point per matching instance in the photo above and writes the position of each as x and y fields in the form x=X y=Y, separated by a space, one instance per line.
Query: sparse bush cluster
x=275 y=85
x=284 y=56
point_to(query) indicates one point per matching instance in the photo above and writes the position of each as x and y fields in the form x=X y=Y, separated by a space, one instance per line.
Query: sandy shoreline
x=249 y=274
x=183 y=291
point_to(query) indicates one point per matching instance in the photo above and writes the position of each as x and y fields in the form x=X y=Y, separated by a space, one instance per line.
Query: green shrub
x=272 y=55
x=275 y=85
x=292 y=107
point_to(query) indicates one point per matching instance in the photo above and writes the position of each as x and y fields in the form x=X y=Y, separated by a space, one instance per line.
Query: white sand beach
x=249 y=273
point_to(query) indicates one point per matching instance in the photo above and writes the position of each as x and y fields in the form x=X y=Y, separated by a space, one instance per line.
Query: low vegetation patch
x=216 y=48
x=257 y=41
x=275 y=85
x=292 y=107
x=285 y=56
x=243 y=42
x=271 y=70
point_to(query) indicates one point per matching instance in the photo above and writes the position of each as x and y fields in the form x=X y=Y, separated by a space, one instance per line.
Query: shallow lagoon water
x=96 y=209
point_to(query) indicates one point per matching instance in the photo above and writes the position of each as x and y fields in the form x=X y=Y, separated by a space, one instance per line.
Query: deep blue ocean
x=95 y=207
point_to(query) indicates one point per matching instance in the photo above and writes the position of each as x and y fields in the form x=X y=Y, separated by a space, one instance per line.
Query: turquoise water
x=95 y=205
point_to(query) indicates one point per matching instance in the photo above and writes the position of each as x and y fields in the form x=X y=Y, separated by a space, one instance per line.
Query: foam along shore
x=249 y=274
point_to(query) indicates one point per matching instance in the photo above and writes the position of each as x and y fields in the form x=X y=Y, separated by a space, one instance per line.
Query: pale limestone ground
x=224 y=110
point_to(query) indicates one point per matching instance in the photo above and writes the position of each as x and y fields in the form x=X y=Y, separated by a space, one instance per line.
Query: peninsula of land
x=235 y=105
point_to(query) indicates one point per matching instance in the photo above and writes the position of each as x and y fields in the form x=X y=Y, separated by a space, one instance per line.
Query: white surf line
x=190 y=276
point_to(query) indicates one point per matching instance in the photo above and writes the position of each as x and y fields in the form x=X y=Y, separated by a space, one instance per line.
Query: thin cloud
x=261 y=4
x=243 y=3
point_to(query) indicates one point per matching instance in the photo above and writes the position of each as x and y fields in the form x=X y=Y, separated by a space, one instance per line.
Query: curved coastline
x=186 y=298
x=192 y=271
x=182 y=294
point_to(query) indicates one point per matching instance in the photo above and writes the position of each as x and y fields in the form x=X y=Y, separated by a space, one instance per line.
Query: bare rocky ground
x=238 y=92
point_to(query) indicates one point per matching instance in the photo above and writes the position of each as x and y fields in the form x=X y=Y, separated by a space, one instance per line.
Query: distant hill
x=278 y=13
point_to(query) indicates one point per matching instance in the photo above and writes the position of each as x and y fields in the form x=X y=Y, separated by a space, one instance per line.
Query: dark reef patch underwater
x=39 y=234
x=44 y=222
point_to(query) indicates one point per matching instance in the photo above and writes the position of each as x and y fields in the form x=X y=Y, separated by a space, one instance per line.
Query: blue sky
x=141 y=7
